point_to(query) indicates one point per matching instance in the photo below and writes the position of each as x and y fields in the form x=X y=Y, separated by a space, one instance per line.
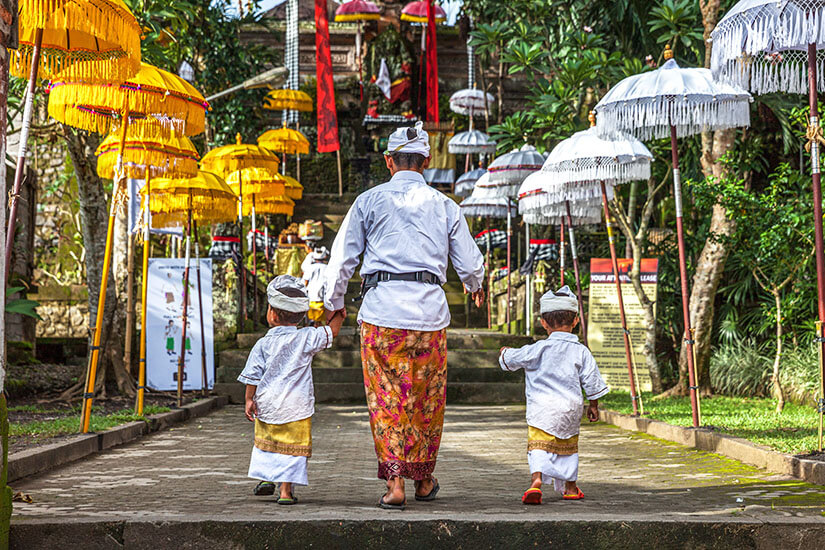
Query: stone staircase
x=473 y=374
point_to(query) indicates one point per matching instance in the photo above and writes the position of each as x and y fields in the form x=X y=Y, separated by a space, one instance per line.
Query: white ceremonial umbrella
x=536 y=207
x=470 y=101
x=772 y=46
x=471 y=141
x=491 y=207
x=466 y=182
x=508 y=171
x=674 y=102
x=580 y=158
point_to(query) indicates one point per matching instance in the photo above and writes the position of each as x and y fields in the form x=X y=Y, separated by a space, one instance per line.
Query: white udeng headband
x=281 y=301
x=561 y=300
x=398 y=142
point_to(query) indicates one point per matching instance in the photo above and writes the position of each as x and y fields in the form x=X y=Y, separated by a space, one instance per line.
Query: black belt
x=371 y=280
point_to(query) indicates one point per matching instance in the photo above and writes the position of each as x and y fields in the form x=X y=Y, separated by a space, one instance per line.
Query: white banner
x=164 y=330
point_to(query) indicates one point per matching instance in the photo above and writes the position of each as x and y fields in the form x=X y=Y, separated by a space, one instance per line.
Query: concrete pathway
x=197 y=472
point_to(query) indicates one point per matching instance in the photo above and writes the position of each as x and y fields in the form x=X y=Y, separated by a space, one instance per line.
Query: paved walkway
x=198 y=471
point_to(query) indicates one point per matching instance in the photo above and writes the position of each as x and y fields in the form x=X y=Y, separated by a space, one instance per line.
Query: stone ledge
x=39 y=459
x=811 y=471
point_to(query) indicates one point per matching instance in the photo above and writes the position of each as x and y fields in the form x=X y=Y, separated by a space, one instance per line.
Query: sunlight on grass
x=755 y=419
x=71 y=424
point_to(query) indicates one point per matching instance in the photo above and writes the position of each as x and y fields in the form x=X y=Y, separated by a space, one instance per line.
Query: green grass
x=753 y=418
x=71 y=424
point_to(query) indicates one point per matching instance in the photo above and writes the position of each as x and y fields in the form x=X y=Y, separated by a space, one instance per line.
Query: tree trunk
x=631 y=215
x=500 y=98
x=94 y=215
x=775 y=383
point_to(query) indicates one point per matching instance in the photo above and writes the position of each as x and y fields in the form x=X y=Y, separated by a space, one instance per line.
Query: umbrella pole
x=561 y=251
x=489 y=275
x=130 y=301
x=625 y=332
x=241 y=265
x=94 y=357
x=21 y=149
x=528 y=300
x=340 y=179
x=298 y=155
x=683 y=278
x=147 y=221
x=574 y=254
x=254 y=263
x=508 y=267
x=360 y=70
x=182 y=358
x=820 y=249
x=204 y=380
x=266 y=244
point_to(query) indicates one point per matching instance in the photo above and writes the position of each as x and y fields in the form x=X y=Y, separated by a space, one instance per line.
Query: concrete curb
x=39 y=459
x=812 y=471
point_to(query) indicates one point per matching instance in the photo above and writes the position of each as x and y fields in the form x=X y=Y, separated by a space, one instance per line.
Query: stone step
x=457 y=339
x=232 y=362
x=353 y=392
x=354 y=374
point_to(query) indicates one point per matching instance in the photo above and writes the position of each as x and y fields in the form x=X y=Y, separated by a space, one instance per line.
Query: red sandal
x=571 y=496
x=531 y=496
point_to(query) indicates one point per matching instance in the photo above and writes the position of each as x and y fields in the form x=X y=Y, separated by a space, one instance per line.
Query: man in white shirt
x=407 y=233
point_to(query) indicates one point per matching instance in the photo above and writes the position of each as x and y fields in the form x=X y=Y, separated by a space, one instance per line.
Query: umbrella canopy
x=761 y=45
x=206 y=195
x=93 y=40
x=159 y=103
x=294 y=190
x=170 y=157
x=508 y=171
x=490 y=207
x=296 y=100
x=646 y=104
x=416 y=12
x=284 y=140
x=575 y=166
x=470 y=101
x=270 y=205
x=257 y=182
x=357 y=10
x=472 y=141
x=541 y=198
x=230 y=158
x=466 y=182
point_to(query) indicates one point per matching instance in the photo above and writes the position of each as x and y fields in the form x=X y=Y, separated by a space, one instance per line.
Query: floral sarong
x=405 y=376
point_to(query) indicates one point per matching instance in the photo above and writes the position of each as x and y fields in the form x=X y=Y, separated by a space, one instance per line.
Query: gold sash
x=540 y=440
x=292 y=438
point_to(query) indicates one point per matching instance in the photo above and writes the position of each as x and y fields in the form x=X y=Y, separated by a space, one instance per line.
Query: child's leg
x=570 y=488
x=286 y=490
x=536 y=480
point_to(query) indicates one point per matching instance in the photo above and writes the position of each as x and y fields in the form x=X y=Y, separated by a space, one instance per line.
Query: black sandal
x=431 y=495
x=288 y=501
x=390 y=506
x=264 y=489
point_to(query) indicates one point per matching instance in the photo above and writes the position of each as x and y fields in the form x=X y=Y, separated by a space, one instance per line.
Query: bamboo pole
x=204 y=380
x=241 y=265
x=340 y=177
x=683 y=279
x=574 y=254
x=625 y=332
x=94 y=357
x=254 y=265
x=130 y=301
x=184 y=314
x=147 y=222
x=21 y=150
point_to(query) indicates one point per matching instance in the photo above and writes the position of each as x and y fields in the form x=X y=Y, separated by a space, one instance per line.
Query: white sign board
x=164 y=311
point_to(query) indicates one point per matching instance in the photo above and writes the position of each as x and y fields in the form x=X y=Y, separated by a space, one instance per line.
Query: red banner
x=432 y=65
x=327 y=115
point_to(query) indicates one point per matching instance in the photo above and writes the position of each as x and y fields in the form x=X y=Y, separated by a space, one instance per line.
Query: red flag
x=432 y=65
x=327 y=115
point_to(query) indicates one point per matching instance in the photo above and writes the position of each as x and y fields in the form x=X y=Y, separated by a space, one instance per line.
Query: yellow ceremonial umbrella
x=144 y=159
x=96 y=40
x=284 y=140
x=232 y=158
x=185 y=201
x=294 y=190
x=280 y=204
x=296 y=100
x=154 y=103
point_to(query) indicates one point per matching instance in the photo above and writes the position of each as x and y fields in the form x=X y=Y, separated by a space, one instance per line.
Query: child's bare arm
x=593 y=411
x=336 y=321
x=251 y=410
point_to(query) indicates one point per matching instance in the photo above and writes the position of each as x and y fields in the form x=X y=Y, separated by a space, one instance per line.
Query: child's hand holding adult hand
x=251 y=410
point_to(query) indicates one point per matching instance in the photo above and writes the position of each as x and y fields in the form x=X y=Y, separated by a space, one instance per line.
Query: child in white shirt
x=280 y=398
x=556 y=370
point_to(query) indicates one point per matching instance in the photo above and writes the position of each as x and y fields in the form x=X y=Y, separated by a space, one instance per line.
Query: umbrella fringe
x=109 y=66
x=596 y=169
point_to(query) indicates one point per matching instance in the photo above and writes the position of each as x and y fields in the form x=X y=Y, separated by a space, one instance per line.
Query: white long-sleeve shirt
x=313 y=276
x=280 y=365
x=556 y=370
x=403 y=226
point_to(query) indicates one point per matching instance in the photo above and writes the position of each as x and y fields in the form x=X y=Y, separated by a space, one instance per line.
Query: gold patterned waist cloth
x=292 y=438
x=540 y=440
